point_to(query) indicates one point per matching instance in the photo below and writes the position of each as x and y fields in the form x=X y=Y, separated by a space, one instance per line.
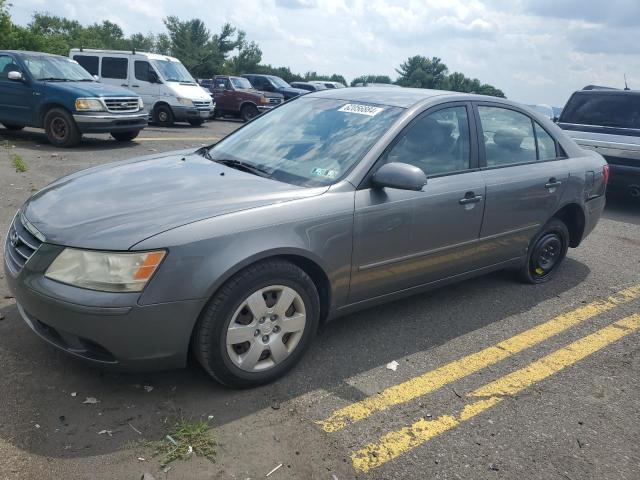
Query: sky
x=536 y=51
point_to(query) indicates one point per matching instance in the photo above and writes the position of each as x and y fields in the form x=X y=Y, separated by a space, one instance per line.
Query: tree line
x=205 y=53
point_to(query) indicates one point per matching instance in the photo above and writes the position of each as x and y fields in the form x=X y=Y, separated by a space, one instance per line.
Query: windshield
x=173 y=71
x=241 y=83
x=279 y=82
x=53 y=68
x=309 y=141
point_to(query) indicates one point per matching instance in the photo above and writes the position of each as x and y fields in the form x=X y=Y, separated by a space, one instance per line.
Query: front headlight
x=105 y=271
x=89 y=105
x=140 y=104
x=185 y=101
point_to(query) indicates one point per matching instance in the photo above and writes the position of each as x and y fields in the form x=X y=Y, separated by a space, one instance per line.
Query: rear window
x=113 y=67
x=603 y=109
x=89 y=63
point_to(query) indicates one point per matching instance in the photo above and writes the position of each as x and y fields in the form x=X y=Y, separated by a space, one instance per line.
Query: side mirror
x=399 y=175
x=268 y=87
x=15 y=76
x=96 y=78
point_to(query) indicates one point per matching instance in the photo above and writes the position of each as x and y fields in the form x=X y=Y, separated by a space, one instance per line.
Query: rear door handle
x=552 y=183
x=137 y=86
x=470 y=197
x=124 y=85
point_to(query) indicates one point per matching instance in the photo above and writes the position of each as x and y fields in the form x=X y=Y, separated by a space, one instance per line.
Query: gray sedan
x=333 y=202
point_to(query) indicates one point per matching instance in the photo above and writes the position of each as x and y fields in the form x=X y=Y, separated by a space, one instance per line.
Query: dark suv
x=608 y=121
x=235 y=96
x=271 y=83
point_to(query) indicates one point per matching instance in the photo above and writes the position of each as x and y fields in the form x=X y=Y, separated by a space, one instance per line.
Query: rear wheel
x=248 y=112
x=258 y=325
x=196 y=122
x=546 y=253
x=10 y=126
x=125 y=136
x=163 y=115
x=61 y=129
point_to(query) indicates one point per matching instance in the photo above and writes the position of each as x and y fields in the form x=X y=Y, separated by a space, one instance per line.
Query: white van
x=169 y=92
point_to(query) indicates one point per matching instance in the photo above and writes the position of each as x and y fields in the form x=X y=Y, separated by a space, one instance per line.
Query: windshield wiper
x=237 y=164
x=54 y=79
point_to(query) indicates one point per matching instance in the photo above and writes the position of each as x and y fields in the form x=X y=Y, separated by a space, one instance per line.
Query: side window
x=546 y=144
x=142 y=69
x=7 y=65
x=113 y=67
x=508 y=136
x=89 y=63
x=437 y=143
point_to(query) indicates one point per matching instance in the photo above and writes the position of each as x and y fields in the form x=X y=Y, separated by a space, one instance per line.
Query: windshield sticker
x=324 y=172
x=367 y=110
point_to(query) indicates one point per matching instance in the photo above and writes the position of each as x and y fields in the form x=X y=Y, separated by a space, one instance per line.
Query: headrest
x=508 y=138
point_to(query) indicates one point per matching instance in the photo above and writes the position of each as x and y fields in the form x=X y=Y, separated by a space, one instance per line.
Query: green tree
x=422 y=72
x=364 y=79
x=246 y=61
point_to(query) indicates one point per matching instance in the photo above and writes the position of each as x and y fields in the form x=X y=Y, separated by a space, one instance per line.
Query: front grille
x=20 y=245
x=275 y=100
x=121 y=105
x=204 y=105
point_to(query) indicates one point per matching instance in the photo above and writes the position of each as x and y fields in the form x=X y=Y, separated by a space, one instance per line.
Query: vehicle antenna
x=626 y=87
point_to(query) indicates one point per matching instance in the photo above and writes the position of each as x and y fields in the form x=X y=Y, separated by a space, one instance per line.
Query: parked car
x=206 y=83
x=235 y=96
x=169 y=92
x=335 y=202
x=608 y=122
x=308 y=86
x=271 y=83
x=328 y=84
x=55 y=93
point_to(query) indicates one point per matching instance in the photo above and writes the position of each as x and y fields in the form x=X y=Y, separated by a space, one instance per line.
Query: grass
x=191 y=438
x=19 y=164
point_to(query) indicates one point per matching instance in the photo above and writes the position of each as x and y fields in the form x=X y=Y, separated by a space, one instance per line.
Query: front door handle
x=137 y=86
x=124 y=85
x=552 y=183
x=470 y=197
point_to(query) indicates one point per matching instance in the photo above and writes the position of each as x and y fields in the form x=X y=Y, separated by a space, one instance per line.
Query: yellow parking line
x=396 y=443
x=174 y=139
x=435 y=379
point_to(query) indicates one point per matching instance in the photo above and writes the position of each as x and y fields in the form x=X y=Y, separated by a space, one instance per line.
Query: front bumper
x=103 y=328
x=184 y=114
x=110 y=122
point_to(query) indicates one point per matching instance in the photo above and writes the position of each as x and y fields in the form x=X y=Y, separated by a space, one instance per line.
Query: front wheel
x=546 y=252
x=125 y=136
x=164 y=115
x=249 y=112
x=10 y=126
x=196 y=122
x=61 y=129
x=258 y=325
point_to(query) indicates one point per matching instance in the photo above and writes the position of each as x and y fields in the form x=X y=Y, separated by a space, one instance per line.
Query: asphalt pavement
x=485 y=379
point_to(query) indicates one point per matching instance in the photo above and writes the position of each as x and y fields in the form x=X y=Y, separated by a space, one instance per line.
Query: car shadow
x=623 y=209
x=38 y=381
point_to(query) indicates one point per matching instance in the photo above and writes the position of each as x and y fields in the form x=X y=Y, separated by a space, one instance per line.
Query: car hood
x=191 y=91
x=115 y=206
x=90 y=89
x=297 y=91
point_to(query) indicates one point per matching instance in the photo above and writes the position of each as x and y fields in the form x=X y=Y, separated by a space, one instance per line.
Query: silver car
x=333 y=202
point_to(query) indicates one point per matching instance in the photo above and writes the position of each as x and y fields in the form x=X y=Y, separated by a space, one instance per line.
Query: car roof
x=393 y=97
x=28 y=52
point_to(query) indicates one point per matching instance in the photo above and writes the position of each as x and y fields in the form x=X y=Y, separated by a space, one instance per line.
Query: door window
x=113 y=67
x=88 y=62
x=7 y=65
x=141 y=70
x=508 y=136
x=437 y=143
x=546 y=144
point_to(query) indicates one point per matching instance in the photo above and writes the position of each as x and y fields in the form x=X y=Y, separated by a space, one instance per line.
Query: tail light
x=605 y=173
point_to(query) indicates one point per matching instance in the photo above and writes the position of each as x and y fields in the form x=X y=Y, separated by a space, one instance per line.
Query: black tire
x=125 y=136
x=248 y=112
x=546 y=253
x=196 y=122
x=163 y=115
x=209 y=338
x=10 y=126
x=61 y=129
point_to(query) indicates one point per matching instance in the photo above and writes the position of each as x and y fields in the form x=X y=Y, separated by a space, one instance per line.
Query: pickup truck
x=235 y=96
x=57 y=94
x=608 y=122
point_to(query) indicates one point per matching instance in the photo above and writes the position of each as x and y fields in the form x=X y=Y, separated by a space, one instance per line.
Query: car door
x=144 y=80
x=16 y=96
x=114 y=70
x=525 y=175
x=404 y=239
